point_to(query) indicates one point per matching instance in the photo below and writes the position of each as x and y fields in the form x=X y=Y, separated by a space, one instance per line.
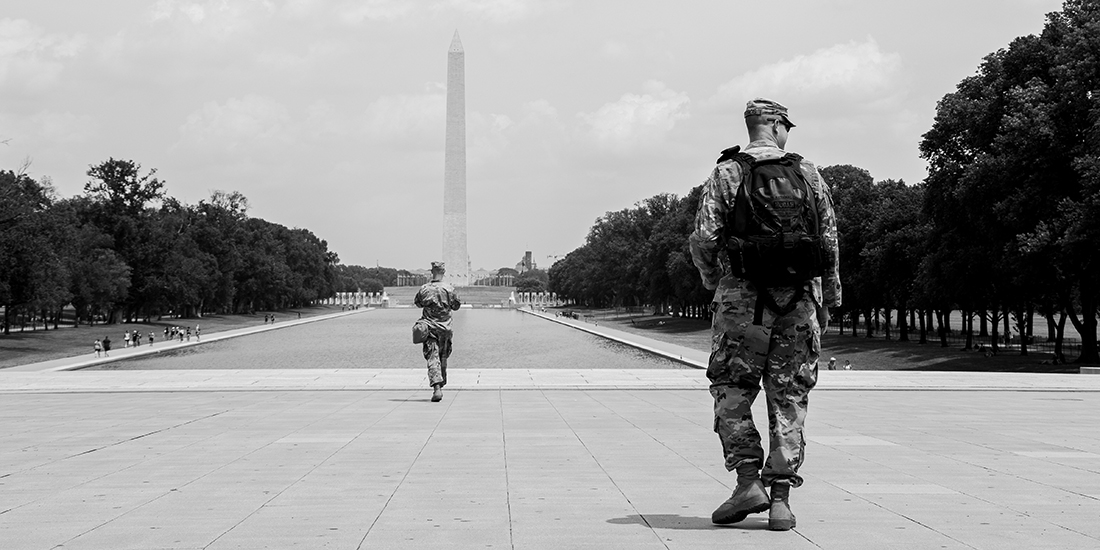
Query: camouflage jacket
x=438 y=300
x=719 y=191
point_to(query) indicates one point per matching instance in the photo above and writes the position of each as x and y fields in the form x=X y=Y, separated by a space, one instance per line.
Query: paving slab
x=539 y=458
x=533 y=468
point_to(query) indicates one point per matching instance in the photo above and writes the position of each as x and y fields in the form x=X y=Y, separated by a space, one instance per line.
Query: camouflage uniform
x=782 y=351
x=438 y=300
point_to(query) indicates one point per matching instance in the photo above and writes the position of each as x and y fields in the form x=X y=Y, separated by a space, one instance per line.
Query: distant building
x=413 y=278
x=526 y=264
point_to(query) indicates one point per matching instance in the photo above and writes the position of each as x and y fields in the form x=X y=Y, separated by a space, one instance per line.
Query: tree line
x=1007 y=223
x=125 y=250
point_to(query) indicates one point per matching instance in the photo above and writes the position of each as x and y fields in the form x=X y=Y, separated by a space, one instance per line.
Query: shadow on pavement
x=676 y=521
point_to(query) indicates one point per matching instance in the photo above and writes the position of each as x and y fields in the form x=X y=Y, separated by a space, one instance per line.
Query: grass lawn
x=864 y=353
x=21 y=348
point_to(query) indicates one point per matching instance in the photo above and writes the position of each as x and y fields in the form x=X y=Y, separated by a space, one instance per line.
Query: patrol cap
x=439 y=266
x=762 y=107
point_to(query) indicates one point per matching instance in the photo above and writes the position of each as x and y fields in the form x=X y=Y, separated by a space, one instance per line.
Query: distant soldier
x=765 y=239
x=438 y=299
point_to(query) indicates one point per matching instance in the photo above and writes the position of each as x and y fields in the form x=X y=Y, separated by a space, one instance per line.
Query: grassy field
x=21 y=348
x=864 y=353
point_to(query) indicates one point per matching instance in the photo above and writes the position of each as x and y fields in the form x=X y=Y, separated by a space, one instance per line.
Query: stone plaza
x=319 y=434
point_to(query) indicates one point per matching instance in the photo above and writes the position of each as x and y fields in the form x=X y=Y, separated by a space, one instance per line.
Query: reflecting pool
x=484 y=338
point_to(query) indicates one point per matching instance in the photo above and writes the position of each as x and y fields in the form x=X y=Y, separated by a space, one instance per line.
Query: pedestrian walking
x=437 y=299
x=150 y=337
x=97 y=347
x=772 y=213
x=106 y=346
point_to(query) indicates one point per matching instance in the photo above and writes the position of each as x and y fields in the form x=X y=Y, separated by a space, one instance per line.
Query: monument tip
x=456 y=43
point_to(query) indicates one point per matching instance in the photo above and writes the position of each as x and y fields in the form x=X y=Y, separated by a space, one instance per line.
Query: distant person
x=150 y=337
x=772 y=213
x=438 y=300
x=126 y=339
x=832 y=363
x=265 y=318
x=847 y=364
x=97 y=347
x=106 y=346
x=198 y=333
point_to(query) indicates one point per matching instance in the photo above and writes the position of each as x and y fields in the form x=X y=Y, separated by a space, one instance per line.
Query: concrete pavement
x=540 y=458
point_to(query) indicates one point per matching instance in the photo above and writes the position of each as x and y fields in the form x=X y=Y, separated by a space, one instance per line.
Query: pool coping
x=688 y=356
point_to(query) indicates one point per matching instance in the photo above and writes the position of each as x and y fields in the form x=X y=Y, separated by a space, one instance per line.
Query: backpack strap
x=764 y=299
x=728 y=154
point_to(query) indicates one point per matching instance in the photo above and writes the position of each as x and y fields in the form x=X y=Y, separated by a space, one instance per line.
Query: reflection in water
x=484 y=338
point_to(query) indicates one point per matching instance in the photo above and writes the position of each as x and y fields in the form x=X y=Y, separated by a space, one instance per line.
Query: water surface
x=484 y=338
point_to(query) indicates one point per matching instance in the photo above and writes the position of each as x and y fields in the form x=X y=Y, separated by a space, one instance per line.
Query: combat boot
x=437 y=395
x=780 y=517
x=748 y=498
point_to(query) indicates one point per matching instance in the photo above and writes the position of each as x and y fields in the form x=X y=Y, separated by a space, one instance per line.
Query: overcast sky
x=329 y=115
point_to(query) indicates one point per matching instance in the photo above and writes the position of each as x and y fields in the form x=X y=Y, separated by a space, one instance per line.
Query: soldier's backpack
x=773 y=238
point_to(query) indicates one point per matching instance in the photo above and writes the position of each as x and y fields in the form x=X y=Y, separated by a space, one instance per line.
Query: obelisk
x=454 y=170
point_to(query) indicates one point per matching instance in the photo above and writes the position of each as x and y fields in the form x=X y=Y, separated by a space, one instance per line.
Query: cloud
x=63 y=127
x=375 y=10
x=613 y=49
x=31 y=60
x=406 y=120
x=215 y=18
x=499 y=11
x=246 y=124
x=636 y=119
x=851 y=71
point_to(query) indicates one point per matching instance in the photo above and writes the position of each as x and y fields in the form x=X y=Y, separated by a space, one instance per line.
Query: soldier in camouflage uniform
x=782 y=351
x=437 y=299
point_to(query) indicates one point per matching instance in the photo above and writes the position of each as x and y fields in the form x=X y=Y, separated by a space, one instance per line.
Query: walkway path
x=570 y=458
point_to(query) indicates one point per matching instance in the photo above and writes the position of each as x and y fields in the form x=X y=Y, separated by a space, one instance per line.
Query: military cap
x=439 y=266
x=762 y=107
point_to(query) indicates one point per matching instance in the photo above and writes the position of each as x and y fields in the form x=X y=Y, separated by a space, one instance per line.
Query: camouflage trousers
x=437 y=349
x=782 y=352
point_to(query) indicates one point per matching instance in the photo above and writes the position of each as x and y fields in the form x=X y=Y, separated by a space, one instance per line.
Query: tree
x=532 y=280
x=34 y=277
x=121 y=206
x=1011 y=185
x=854 y=200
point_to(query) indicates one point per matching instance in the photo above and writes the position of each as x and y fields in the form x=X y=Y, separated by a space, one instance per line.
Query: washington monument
x=454 y=170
